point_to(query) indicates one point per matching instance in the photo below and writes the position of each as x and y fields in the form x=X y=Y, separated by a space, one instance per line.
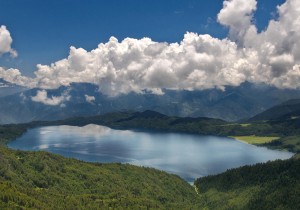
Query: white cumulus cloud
x=5 y=42
x=277 y=47
x=14 y=76
x=238 y=16
x=42 y=97
x=198 y=62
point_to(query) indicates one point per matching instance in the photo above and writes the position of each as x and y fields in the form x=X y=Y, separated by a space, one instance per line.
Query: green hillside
x=273 y=185
x=40 y=180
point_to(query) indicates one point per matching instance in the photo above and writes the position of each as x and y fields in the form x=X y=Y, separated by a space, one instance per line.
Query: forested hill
x=40 y=180
x=273 y=185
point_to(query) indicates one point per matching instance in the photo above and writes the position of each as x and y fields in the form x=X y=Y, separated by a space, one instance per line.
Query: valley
x=214 y=192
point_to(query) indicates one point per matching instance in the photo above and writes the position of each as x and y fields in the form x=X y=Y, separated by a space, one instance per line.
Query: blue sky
x=43 y=31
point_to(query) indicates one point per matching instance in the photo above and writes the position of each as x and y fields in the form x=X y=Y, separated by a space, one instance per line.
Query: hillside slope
x=287 y=110
x=273 y=185
x=40 y=180
x=7 y=88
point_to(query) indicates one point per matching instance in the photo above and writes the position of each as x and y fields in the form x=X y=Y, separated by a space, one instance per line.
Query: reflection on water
x=189 y=156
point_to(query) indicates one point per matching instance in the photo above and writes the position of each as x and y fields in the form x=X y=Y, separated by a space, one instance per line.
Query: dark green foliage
x=9 y=132
x=290 y=143
x=45 y=181
x=273 y=185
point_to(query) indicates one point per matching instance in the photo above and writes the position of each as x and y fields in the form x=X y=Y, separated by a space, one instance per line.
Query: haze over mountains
x=83 y=99
x=7 y=88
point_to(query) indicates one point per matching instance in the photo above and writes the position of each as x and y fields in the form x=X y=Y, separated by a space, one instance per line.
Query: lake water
x=189 y=156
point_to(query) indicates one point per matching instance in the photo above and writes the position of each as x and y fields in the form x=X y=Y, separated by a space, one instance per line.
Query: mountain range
x=83 y=99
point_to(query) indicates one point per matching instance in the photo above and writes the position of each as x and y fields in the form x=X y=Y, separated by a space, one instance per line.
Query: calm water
x=189 y=156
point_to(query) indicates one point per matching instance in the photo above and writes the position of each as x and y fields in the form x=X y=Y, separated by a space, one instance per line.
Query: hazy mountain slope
x=7 y=88
x=232 y=104
x=287 y=110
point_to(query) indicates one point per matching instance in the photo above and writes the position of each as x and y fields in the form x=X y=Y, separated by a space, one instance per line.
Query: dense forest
x=272 y=185
x=40 y=180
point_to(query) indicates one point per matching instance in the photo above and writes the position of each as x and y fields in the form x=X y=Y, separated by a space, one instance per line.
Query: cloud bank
x=5 y=42
x=198 y=62
x=14 y=76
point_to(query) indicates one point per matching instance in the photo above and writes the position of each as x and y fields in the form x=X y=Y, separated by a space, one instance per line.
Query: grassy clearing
x=235 y=124
x=256 y=139
x=245 y=124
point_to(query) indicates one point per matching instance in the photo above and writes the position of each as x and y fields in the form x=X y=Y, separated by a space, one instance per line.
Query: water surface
x=189 y=156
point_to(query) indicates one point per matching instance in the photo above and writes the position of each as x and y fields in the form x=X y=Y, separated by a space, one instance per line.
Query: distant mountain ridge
x=287 y=110
x=83 y=99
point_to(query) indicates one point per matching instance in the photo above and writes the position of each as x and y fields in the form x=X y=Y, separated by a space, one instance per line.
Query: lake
x=189 y=156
